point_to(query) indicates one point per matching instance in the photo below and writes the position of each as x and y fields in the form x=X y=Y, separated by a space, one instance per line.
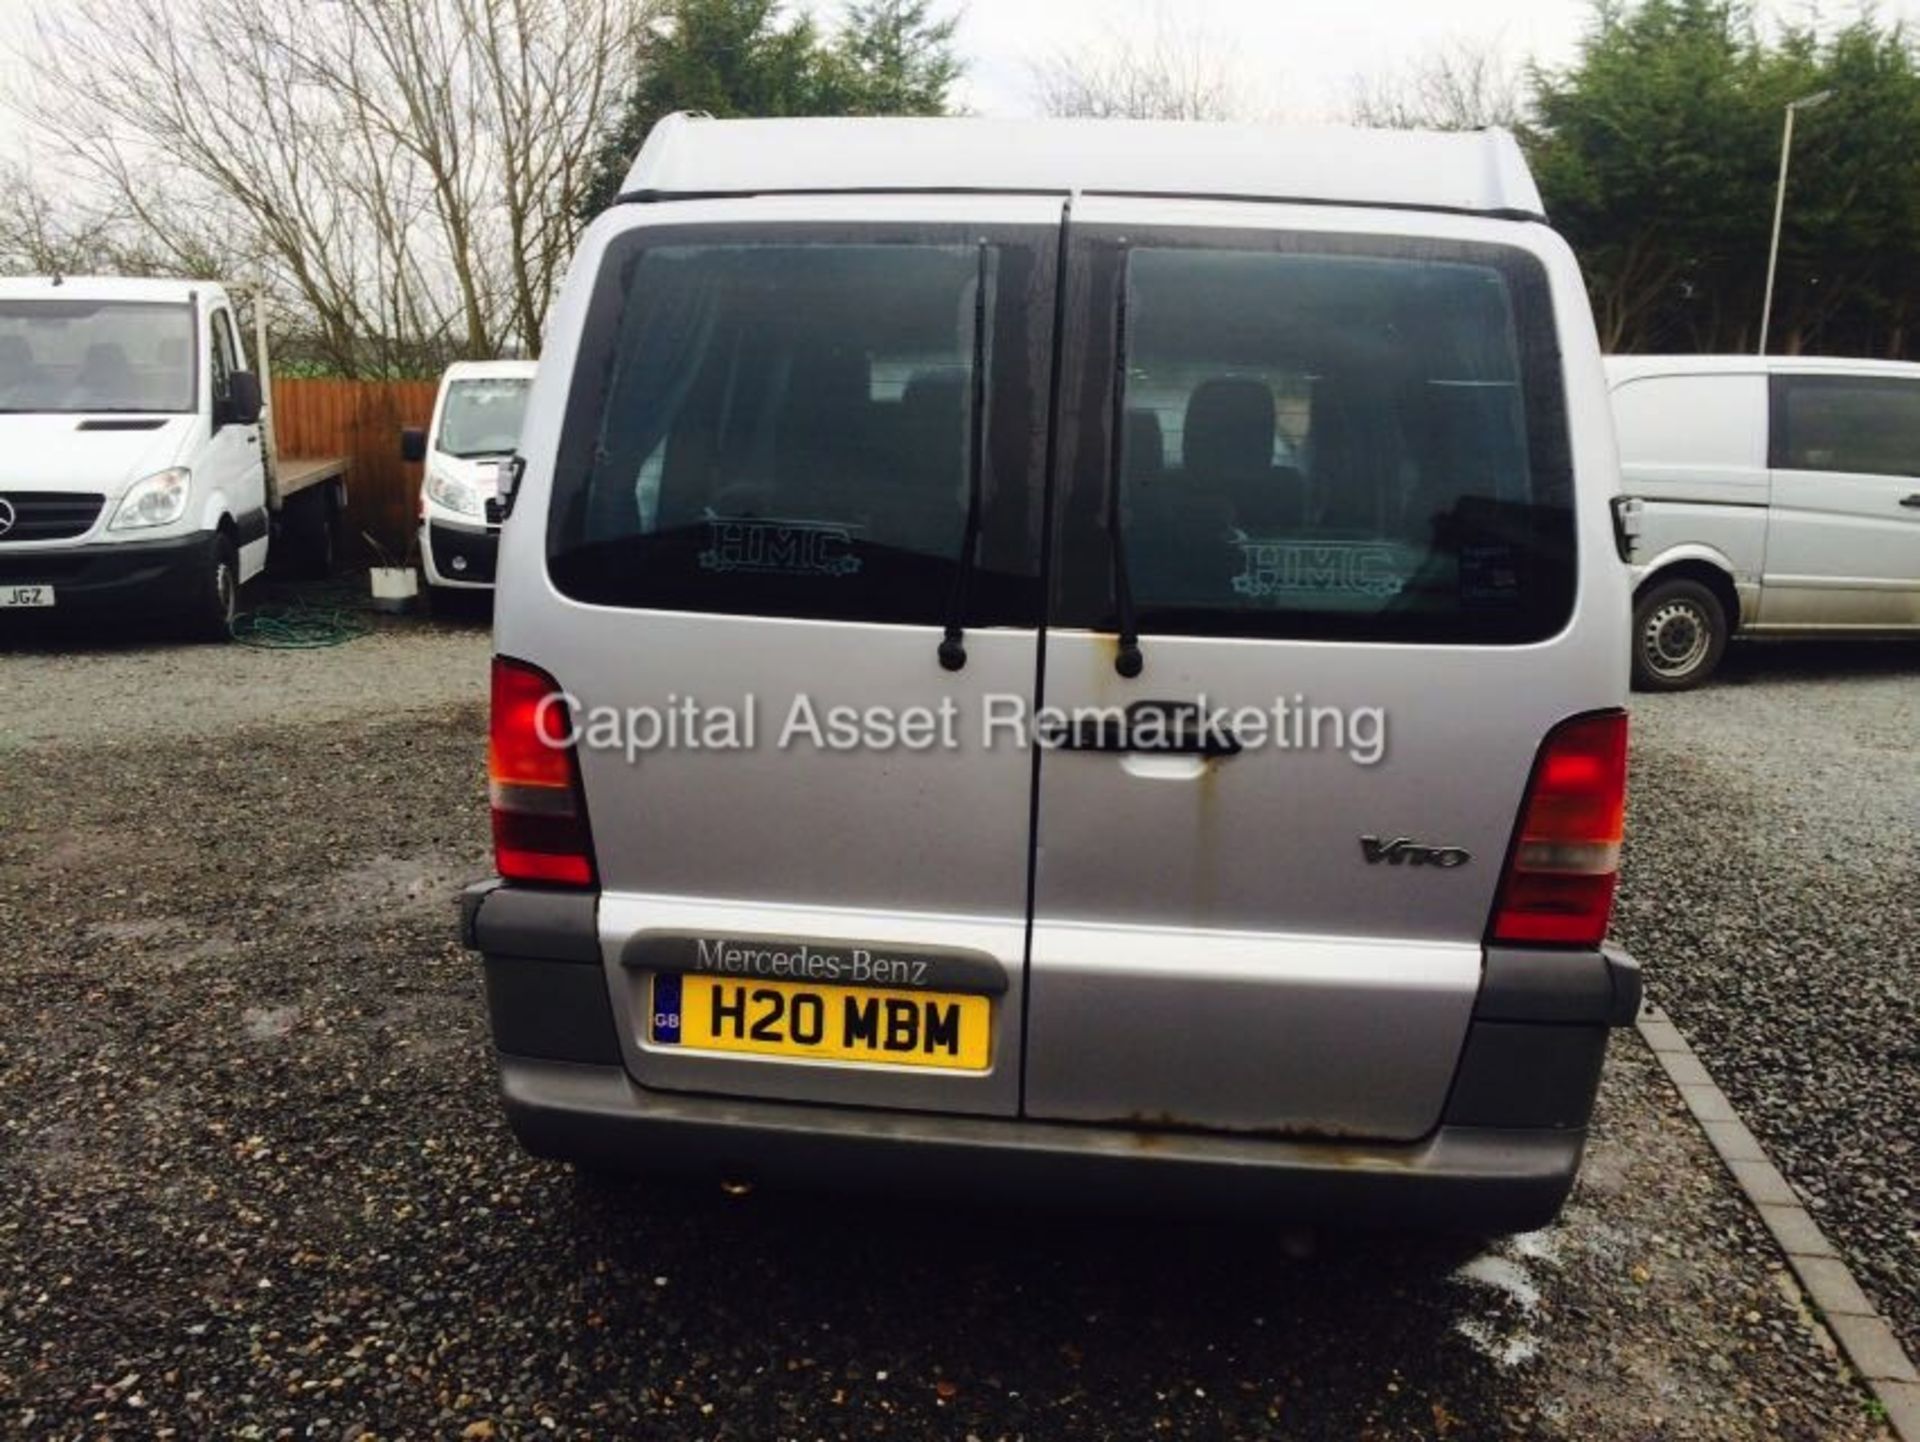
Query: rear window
x=786 y=427
x=1859 y=425
x=1354 y=444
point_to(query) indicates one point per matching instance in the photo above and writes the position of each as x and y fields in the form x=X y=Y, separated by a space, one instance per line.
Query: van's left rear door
x=760 y=502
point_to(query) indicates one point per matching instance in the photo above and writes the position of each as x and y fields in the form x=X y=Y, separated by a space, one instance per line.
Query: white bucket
x=395 y=588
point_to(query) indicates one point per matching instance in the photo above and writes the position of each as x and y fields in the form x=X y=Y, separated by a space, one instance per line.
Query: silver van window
x=1317 y=443
x=775 y=427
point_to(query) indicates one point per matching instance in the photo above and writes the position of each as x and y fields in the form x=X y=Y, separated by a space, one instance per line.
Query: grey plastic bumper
x=1480 y=1179
x=1503 y=1157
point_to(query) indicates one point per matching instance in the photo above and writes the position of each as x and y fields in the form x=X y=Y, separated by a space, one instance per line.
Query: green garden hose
x=302 y=626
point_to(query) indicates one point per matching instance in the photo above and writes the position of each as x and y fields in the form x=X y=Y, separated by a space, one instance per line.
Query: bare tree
x=401 y=172
x=1174 y=72
x=1459 y=85
x=43 y=237
x=552 y=73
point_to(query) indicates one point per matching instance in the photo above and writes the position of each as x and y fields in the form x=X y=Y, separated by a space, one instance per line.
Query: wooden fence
x=361 y=420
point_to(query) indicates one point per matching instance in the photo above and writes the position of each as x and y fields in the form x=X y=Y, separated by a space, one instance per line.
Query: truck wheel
x=211 y=612
x=1679 y=636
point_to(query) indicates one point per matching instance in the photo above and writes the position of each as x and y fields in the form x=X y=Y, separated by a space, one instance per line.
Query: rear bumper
x=160 y=575
x=1502 y=1159
x=1481 y=1179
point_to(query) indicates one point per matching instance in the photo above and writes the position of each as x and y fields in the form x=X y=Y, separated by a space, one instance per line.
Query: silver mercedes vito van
x=1078 y=658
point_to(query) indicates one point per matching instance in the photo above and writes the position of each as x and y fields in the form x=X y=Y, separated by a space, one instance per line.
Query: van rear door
x=1324 y=467
x=787 y=420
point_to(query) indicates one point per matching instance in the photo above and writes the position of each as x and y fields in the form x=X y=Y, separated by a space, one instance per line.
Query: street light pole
x=1805 y=102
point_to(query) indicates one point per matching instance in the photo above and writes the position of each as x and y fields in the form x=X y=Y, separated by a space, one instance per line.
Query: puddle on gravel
x=413 y=886
x=269 y=1023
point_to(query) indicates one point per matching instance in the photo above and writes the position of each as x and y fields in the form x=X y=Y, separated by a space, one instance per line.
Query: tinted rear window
x=786 y=428
x=1324 y=443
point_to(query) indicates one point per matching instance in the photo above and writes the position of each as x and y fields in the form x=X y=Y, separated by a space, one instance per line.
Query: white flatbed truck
x=143 y=477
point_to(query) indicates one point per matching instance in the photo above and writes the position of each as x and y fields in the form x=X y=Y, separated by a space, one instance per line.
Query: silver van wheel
x=1680 y=631
x=1676 y=638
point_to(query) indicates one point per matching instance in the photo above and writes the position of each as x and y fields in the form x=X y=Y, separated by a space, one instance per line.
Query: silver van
x=1064 y=658
x=1767 y=496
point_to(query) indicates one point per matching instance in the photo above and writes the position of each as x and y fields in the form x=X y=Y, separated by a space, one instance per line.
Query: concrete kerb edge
x=1870 y=1346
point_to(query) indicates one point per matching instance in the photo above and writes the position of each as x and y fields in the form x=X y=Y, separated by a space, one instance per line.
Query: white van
x=475 y=426
x=1765 y=496
x=1074 y=658
x=140 y=477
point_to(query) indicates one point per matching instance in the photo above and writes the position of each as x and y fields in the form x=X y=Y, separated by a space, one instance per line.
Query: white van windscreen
x=94 y=356
x=1349 y=444
x=788 y=429
x=482 y=416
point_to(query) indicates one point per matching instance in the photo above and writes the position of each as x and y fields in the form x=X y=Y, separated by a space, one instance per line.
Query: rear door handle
x=1911 y=502
x=1147 y=728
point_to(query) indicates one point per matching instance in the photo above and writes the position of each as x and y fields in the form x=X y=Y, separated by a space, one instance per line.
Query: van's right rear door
x=1329 y=459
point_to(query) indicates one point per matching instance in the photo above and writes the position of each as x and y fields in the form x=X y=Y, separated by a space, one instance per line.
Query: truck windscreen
x=90 y=356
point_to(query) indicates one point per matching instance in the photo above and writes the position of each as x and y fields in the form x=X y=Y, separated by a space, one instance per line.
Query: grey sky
x=1295 y=59
x=1292 y=59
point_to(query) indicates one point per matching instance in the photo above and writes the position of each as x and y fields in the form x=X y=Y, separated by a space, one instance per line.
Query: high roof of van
x=102 y=287
x=1477 y=172
x=493 y=370
x=1636 y=367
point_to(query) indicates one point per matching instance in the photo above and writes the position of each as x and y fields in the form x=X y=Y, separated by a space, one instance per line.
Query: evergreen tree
x=898 y=57
x=1657 y=154
x=746 y=58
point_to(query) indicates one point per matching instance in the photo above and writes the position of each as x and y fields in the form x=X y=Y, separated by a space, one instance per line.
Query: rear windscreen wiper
x=953 y=647
x=1127 y=660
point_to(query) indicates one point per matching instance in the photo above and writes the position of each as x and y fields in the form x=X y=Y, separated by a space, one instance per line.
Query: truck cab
x=136 y=478
x=475 y=426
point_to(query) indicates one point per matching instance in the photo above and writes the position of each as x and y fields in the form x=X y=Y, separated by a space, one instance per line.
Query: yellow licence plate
x=825 y=1023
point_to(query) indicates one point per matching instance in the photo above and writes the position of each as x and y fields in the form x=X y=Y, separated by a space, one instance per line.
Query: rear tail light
x=1565 y=861
x=539 y=816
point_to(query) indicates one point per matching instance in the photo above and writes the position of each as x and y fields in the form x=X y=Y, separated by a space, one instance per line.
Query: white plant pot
x=395 y=588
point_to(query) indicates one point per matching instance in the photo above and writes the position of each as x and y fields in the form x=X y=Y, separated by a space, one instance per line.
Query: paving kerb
x=1868 y=1343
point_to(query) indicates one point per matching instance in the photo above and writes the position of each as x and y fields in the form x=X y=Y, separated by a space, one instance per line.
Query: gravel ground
x=1773 y=890
x=254 y=1181
x=166 y=691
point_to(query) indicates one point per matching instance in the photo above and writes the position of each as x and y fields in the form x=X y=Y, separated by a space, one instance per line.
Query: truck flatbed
x=293 y=474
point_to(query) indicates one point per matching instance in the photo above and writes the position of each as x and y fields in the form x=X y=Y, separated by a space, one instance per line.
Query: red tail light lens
x=533 y=781
x=1559 y=883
